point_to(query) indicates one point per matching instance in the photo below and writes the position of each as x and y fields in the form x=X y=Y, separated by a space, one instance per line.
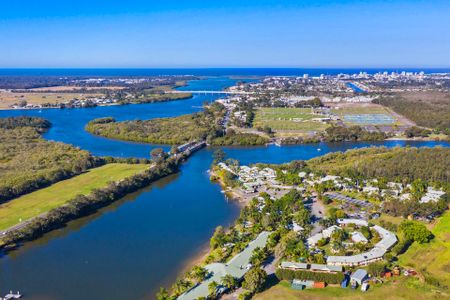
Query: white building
x=358 y=222
x=358 y=237
x=432 y=195
x=371 y=190
x=388 y=239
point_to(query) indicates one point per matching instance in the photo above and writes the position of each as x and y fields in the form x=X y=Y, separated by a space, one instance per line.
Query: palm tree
x=258 y=256
x=163 y=294
x=212 y=288
x=198 y=273
x=229 y=281
x=180 y=286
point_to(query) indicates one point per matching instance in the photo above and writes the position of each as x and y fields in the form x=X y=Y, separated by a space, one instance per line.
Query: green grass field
x=41 y=201
x=363 y=109
x=432 y=259
x=398 y=288
x=360 y=109
x=288 y=119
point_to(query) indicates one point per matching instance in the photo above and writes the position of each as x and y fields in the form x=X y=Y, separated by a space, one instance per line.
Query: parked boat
x=12 y=295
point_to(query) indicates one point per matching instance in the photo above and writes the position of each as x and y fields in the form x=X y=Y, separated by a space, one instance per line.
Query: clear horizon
x=362 y=68
x=207 y=34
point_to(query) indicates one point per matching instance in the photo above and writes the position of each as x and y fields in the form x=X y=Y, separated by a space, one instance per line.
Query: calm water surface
x=68 y=124
x=129 y=249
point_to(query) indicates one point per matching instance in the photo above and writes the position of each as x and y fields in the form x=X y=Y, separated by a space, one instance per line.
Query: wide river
x=131 y=248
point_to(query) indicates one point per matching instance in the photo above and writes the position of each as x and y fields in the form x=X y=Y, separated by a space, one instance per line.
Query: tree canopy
x=415 y=231
x=28 y=162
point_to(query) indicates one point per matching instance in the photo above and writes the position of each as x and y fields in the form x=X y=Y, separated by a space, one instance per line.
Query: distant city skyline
x=209 y=34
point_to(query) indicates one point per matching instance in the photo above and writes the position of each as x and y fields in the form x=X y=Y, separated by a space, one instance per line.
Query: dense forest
x=28 y=162
x=39 y=124
x=175 y=130
x=427 y=110
x=239 y=139
x=352 y=134
x=400 y=164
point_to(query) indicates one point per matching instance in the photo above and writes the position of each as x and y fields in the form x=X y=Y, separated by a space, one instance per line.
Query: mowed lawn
x=292 y=119
x=41 y=201
x=358 y=109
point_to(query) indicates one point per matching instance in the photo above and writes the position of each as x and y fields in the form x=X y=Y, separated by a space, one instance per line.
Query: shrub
x=333 y=278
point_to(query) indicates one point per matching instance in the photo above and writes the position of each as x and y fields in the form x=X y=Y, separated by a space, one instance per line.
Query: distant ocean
x=209 y=71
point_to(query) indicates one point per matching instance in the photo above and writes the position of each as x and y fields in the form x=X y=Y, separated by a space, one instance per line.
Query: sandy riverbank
x=198 y=259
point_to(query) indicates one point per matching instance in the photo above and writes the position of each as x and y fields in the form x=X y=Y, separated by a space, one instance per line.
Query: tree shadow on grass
x=271 y=281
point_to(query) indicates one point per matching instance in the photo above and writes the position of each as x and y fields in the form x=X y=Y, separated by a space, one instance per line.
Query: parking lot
x=349 y=200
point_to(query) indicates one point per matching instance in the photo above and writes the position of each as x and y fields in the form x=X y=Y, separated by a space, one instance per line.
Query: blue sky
x=244 y=33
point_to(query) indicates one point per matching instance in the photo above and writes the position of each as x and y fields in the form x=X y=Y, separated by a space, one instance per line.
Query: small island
x=208 y=125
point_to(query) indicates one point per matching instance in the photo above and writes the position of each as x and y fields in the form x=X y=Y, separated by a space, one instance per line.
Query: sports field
x=369 y=119
x=43 y=200
x=365 y=114
x=288 y=119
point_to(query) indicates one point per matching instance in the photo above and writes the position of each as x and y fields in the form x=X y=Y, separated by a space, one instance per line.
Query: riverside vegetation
x=204 y=125
x=43 y=200
x=28 y=162
x=396 y=164
x=84 y=204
